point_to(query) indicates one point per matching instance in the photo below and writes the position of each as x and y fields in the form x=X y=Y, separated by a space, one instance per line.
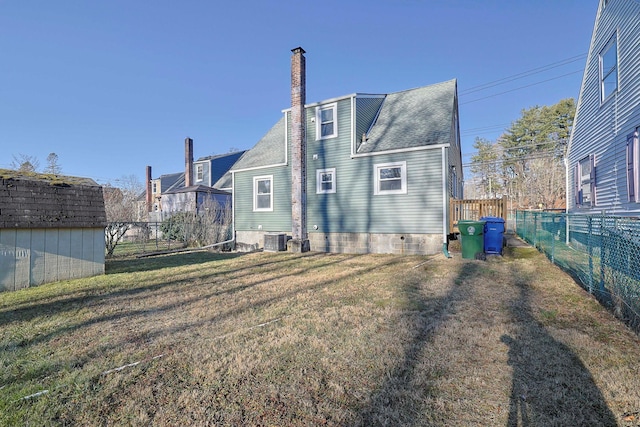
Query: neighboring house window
x=609 y=69
x=326 y=180
x=154 y=187
x=390 y=178
x=327 y=121
x=453 y=192
x=632 y=170
x=199 y=172
x=585 y=182
x=263 y=193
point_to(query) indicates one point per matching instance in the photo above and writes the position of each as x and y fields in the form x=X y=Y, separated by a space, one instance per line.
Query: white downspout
x=566 y=200
x=444 y=204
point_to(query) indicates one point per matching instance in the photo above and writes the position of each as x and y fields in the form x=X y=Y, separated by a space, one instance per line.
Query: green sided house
x=359 y=173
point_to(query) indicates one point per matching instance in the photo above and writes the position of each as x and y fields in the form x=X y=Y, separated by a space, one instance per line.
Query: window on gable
x=585 y=182
x=609 y=69
x=199 y=172
x=326 y=181
x=632 y=170
x=326 y=121
x=263 y=193
x=390 y=178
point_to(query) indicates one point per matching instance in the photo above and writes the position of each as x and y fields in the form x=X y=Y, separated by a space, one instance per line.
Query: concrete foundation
x=358 y=243
x=409 y=244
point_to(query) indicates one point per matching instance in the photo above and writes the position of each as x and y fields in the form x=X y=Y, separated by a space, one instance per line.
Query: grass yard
x=278 y=339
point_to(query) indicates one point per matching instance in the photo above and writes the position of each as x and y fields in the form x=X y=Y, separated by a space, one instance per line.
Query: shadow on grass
x=131 y=265
x=392 y=404
x=213 y=290
x=550 y=384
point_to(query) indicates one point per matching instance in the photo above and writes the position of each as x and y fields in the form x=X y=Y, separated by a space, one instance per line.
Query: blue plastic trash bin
x=493 y=234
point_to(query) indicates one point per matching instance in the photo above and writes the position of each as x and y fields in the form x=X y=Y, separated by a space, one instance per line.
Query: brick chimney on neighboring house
x=188 y=162
x=299 y=241
x=149 y=192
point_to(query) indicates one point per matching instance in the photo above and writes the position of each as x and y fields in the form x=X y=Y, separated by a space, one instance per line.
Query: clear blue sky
x=113 y=86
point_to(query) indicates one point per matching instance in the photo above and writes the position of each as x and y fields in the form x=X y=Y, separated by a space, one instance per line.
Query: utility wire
x=522 y=87
x=523 y=74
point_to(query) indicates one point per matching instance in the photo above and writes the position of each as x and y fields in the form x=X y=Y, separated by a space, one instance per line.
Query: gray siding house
x=603 y=154
x=204 y=180
x=378 y=171
x=51 y=229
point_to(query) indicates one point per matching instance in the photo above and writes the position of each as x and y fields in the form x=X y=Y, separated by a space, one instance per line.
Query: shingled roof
x=408 y=119
x=30 y=200
x=413 y=118
x=269 y=150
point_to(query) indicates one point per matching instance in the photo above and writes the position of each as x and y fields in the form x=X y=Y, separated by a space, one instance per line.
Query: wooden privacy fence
x=475 y=209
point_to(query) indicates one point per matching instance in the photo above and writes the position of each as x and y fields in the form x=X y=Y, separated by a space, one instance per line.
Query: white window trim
x=591 y=181
x=633 y=178
x=403 y=178
x=199 y=171
x=255 y=193
x=612 y=41
x=319 y=110
x=319 y=173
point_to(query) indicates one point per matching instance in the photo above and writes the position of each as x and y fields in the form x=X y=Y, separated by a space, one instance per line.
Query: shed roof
x=32 y=200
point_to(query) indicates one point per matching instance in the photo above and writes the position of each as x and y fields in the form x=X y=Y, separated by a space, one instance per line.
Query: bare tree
x=121 y=208
x=25 y=163
x=53 y=167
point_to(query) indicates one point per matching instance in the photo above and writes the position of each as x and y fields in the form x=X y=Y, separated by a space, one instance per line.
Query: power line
x=523 y=74
x=539 y=155
x=522 y=87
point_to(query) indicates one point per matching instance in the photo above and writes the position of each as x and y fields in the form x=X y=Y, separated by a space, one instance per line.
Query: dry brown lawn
x=278 y=339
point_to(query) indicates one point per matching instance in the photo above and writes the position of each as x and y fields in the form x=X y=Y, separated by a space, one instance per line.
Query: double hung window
x=609 y=69
x=327 y=121
x=263 y=193
x=326 y=181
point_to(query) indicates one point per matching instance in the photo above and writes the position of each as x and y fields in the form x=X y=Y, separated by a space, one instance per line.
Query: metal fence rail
x=143 y=238
x=601 y=252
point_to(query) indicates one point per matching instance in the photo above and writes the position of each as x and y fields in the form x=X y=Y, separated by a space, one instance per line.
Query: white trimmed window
x=327 y=121
x=609 y=69
x=585 y=181
x=632 y=169
x=326 y=180
x=199 y=172
x=263 y=193
x=390 y=178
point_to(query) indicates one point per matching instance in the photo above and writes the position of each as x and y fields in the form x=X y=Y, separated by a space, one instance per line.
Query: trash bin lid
x=492 y=219
x=471 y=228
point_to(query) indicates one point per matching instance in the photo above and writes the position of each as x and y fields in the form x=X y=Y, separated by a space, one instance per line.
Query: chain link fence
x=179 y=231
x=601 y=252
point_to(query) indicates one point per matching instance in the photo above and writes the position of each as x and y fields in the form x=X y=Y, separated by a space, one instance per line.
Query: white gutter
x=566 y=200
x=402 y=150
x=444 y=203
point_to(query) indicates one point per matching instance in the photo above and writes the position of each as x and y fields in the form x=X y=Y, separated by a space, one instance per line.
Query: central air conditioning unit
x=275 y=242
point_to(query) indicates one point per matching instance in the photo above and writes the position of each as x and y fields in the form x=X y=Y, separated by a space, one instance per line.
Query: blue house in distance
x=361 y=173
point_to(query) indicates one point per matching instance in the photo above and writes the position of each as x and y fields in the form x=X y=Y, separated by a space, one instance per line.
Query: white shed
x=51 y=229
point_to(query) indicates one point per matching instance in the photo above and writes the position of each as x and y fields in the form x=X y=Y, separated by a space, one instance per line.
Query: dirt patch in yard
x=318 y=339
